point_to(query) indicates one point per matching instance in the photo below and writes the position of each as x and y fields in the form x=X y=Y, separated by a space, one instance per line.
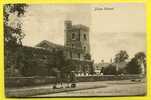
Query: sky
x=113 y=27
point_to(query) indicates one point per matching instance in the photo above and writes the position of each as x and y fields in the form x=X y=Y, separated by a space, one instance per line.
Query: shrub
x=110 y=70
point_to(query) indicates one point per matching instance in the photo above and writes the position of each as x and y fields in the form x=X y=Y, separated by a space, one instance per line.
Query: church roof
x=47 y=45
x=50 y=45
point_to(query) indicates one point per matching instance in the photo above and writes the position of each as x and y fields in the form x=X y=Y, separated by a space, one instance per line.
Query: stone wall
x=33 y=81
x=107 y=78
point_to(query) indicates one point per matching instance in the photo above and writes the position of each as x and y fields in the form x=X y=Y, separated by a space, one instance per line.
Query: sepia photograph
x=74 y=50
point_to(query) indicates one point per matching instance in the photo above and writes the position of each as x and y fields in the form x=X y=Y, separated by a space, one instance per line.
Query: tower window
x=79 y=55
x=85 y=36
x=73 y=36
x=84 y=49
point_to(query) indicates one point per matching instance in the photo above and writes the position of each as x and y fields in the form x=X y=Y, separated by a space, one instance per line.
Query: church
x=46 y=56
x=76 y=48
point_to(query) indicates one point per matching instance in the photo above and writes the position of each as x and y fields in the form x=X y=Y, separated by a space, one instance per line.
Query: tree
x=110 y=70
x=134 y=66
x=121 y=56
x=13 y=35
x=141 y=57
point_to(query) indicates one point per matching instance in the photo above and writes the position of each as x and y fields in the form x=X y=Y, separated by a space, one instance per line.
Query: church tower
x=77 y=38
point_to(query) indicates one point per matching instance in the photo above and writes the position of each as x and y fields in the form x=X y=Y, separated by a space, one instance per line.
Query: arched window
x=85 y=37
x=73 y=36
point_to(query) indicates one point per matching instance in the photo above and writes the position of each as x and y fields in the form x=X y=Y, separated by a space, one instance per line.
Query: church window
x=73 y=36
x=85 y=36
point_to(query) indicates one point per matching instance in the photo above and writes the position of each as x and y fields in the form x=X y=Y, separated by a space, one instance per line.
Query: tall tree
x=120 y=57
x=13 y=34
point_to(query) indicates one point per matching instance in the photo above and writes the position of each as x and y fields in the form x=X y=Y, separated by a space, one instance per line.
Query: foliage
x=13 y=35
x=121 y=56
x=110 y=70
x=141 y=57
x=134 y=66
